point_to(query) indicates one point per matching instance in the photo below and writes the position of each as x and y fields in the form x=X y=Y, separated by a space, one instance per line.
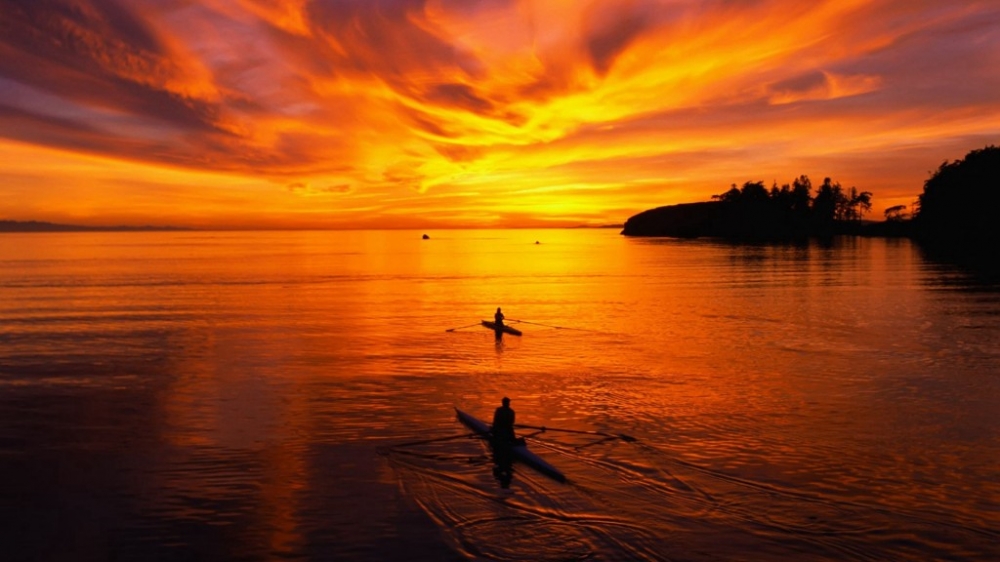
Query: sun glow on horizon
x=414 y=113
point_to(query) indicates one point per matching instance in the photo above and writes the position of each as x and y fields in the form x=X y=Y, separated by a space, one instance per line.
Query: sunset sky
x=433 y=113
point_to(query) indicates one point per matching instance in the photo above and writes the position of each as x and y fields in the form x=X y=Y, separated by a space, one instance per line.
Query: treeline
x=955 y=215
x=795 y=208
x=756 y=212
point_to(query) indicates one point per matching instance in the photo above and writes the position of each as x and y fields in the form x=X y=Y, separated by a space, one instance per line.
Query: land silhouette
x=40 y=226
x=755 y=212
x=958 y=205
x=954 y=213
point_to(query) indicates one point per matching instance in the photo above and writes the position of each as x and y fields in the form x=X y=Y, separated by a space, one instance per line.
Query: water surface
x=202 y=395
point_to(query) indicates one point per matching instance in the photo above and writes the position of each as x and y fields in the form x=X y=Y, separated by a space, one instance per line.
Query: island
x=954 y=212
x=754 y=212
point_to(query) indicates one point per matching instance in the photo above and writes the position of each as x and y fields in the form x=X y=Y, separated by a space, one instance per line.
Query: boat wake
x=629 y=500
x=533 y=518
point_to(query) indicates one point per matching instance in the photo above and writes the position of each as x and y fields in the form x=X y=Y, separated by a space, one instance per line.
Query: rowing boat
x=519 y=450
x=504 y=328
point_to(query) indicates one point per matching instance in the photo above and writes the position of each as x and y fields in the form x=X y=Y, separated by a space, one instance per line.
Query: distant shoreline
x=9 y=226
x=39 y=226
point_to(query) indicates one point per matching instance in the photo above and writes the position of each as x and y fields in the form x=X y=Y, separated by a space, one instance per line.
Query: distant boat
x=426 y=237
x=505 y=328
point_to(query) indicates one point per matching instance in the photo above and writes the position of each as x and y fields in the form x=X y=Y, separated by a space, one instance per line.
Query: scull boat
x=519 y=450
x=505 y=328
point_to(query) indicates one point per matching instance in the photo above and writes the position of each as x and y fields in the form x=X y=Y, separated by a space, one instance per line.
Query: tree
x=754 y=192
x=731 y=196
x=960 y=201
x=801 y=196
x=755 y=211
x=896 y=213
x=858 y=204
x=825 y=205
x=864 y=203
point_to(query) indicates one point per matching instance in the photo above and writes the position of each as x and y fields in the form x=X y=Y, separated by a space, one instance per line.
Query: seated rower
x=503 y=423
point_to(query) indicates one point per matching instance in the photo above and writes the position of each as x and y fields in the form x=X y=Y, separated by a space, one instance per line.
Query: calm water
x=257 y=396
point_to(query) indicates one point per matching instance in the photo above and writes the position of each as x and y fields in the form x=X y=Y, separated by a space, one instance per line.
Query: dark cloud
x=384 y=40
x=944 y=63
x=547 y=86
x=612 y=38
x=75 y=23
x=428 y=124
x=380 y=37
x=459 y=95
x=470 y=9
x=114 y=88
x=799 y=85
x=304 y=188
x=460 y=153
x=201 y=151
x=36 y=127
x=341 y=188
x=96 y=53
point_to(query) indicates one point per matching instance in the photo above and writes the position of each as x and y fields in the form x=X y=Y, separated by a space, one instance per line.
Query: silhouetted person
x=503 y=440
x=503 y=423
x=498 y=318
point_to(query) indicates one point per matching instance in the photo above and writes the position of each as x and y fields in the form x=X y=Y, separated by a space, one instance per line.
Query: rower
x=498 y=318
x=503 y=423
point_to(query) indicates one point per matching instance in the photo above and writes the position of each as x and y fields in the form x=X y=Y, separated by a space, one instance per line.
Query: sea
x=291 y=395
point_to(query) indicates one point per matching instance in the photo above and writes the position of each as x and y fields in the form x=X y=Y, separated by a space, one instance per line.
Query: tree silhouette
x=731 y=196
x=858 y=204
x=828 y=205
x=755 y=212
x=801 y=196
x=960 y=200
x=896 y=213
x=754 y=192
x=957 y=211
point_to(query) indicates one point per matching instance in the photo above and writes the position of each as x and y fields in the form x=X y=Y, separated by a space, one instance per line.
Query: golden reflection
x=265 y=374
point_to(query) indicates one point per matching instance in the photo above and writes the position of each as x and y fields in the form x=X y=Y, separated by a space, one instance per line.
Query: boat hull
x=505 y=328
x=519 y=451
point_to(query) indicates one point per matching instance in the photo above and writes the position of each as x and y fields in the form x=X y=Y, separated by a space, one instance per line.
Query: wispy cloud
x=615 y=104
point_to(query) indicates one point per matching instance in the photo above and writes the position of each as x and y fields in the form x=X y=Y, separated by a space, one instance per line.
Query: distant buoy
x=537 y=242
x=426 y=237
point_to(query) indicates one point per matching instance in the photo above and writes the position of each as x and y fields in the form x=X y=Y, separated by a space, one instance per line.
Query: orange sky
x=433 y=113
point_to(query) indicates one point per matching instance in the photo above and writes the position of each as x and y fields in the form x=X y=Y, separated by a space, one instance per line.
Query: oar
x=460 y=327
x=550 y=325
x=435 y=440
x=622 y=436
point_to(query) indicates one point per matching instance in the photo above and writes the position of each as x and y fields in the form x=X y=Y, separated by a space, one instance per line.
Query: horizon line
x=46 y=227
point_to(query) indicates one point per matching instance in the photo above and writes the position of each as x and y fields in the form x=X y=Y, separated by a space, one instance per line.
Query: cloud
x=307 y=190
x=100 y=55
x=820 y=86
x=460 y=96
x=613 y=27
x=460 y=153
x=369 y=97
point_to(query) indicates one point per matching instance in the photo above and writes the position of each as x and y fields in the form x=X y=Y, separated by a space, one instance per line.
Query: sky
x=472 y=113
